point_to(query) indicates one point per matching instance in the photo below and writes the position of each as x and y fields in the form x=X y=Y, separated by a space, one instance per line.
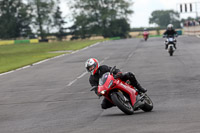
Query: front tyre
x=171 y=51
x=122 y=103
x=148 y=104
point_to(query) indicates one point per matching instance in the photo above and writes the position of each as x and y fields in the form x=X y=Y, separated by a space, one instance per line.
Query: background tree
x=164 y=17
x=15 y=18
x=58 y=22
x=99 y=16
x=118 y=27
x=42 y=10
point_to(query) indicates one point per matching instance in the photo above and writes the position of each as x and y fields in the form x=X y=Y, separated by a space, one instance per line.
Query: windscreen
x=103 y=79
x=171 y=39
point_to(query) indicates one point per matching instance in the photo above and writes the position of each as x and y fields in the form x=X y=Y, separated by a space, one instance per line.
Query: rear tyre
x=123 y=105
x=148 y=104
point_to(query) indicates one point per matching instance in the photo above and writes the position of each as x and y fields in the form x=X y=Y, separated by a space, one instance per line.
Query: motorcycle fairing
x=117 y=85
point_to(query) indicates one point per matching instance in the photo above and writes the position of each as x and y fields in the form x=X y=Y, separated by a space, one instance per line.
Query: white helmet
x=170 y=26
x=92 y=65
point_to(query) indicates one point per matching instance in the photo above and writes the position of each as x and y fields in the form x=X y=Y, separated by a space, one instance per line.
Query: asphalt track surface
x=54 y=96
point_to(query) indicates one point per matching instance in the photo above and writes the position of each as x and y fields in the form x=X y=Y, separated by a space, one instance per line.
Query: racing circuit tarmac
x=55 y=97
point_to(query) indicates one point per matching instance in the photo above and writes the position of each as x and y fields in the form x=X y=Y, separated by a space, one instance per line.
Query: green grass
x=155 y=35
x=19 y=55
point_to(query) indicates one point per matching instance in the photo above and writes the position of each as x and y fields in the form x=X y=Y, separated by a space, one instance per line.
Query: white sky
x=143 y=9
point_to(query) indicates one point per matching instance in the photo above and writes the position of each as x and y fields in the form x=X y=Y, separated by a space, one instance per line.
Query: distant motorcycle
x=170 y=42
x=145 y=35
x=122 y=94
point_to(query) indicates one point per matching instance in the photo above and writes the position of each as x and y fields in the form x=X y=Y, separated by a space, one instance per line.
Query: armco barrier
x=192 y=30
x=8 y=42
x=34 y=41
x=21 y=41
x=179 y=32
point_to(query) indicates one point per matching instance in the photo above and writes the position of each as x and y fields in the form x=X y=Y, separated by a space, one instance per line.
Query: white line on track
x=82 y=75
x=72 y=82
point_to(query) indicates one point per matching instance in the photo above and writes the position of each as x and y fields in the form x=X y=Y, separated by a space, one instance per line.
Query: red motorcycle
x=122 y=94
x=145 y=35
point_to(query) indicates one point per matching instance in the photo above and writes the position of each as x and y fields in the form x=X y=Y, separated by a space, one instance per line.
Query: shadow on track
x=122 y=114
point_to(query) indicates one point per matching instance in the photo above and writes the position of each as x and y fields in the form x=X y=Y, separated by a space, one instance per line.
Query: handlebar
x=167 y=36
x=93 y=88
x=112 y=69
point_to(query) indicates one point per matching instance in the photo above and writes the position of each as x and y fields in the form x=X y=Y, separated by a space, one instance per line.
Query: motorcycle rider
x=92 y=66
x=145 y=33
x=170 y=32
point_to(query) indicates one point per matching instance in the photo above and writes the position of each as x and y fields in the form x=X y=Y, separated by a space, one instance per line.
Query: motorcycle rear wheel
x=148 y=104
x=124 y=106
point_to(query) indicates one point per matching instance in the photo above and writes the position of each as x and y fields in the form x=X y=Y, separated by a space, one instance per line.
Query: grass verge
x=19 y=55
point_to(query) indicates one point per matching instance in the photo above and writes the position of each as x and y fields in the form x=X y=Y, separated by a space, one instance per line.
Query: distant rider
x=145 y=34
x=92 y=66
x=170 y=32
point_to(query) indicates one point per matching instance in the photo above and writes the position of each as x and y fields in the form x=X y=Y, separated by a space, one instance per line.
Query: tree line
x=21 y=18
x=108 y=18
x=164 y=17
x=24 y=18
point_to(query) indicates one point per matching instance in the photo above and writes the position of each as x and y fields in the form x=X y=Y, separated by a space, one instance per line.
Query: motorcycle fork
x=123 y=96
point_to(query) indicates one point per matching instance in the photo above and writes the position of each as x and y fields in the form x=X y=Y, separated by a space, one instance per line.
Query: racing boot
x=175 y=46
x=140 y=88
x=166 y=46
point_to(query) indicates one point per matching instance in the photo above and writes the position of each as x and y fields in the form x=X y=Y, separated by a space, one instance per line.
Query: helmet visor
x=91 y=68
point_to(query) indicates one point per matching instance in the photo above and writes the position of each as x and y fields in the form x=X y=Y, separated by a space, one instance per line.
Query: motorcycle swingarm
x=139 y=102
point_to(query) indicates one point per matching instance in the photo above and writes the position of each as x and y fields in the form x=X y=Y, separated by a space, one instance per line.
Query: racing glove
x=118 y=75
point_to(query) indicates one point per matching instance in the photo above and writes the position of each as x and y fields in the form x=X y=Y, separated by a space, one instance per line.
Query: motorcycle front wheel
x=124 y=105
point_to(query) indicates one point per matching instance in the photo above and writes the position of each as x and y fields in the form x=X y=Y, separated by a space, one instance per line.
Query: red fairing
x=119 y=85
x=145 y=33
x=127 y=89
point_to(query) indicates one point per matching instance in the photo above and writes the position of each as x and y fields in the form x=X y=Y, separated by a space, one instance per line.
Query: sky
x=143 y=9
